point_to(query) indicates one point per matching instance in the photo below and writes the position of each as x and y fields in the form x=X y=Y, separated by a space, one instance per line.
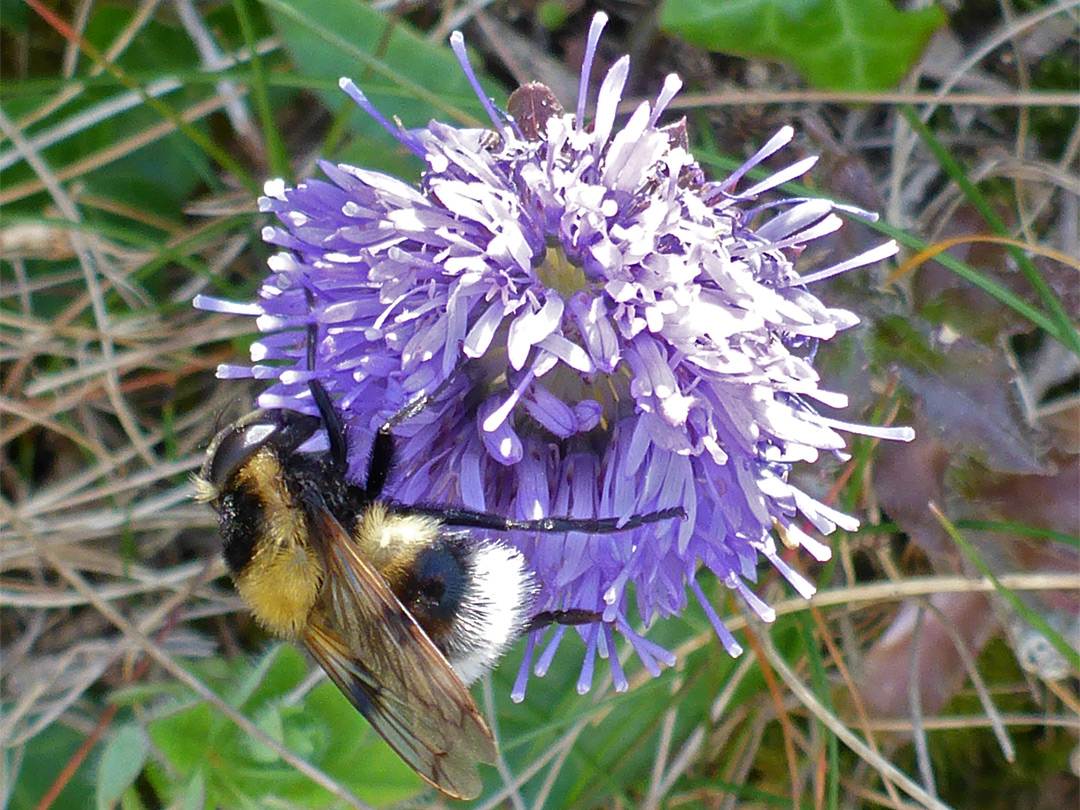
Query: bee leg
x=380 y=464
x=571 y=617
x=415 y=406
x=467 y=518
x=382 y=449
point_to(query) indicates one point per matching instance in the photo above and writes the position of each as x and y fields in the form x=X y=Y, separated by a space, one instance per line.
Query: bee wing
x=388 y=668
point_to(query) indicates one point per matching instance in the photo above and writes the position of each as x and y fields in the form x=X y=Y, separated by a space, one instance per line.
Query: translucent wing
x=387 y=667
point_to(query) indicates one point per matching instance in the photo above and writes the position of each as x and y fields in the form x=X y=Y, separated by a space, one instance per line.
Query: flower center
x=491 y=377
x=560 y=274
x=612 y=391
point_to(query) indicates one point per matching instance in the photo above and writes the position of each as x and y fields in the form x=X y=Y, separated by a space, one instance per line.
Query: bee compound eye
x=232 y=448
x=285 y=431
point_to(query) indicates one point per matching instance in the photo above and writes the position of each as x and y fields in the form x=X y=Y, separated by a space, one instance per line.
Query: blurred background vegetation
x=938 y=665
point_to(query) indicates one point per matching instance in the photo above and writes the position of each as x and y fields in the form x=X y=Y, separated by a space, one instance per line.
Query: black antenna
x=335 y=430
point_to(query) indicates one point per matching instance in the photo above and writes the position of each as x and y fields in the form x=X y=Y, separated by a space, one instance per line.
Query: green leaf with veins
x=835 y=44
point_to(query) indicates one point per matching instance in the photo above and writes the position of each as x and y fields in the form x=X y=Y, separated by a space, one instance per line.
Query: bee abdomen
x=471 y=598
x=434 y=588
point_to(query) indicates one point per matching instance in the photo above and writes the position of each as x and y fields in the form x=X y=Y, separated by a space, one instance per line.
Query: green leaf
x=184 y=738
x=121 y=763
x=14 y=15
x=215 y=760
x=193 y=796
x=37 y=768
x=1022 y=529
x=836 y=44
x=254 y=680
x=269 y=719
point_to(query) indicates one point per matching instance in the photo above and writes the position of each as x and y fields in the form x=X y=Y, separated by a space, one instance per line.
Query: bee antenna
x=219 y=416
x=335 y=429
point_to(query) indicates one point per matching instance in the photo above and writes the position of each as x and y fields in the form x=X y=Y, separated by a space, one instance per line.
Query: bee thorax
x=390 y=541
x=281 y=585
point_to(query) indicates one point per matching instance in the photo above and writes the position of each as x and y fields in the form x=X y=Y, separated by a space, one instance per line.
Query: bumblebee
x=401 y=612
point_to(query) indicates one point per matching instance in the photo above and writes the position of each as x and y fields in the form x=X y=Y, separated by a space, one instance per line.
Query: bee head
x=234 y=446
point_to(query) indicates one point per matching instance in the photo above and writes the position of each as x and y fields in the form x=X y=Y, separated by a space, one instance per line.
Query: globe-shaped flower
x=607 y=333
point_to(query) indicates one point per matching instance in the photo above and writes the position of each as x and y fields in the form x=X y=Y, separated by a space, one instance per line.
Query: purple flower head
x=612 y=337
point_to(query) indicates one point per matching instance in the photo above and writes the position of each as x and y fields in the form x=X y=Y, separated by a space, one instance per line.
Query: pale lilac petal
x=877 y=254
x=543 y=663
x=502 y=443
x=618 y=677
x=529 y=328
x=457 y=44
x=733 y=648
x=795 y=170
x=672 y=86
x=517 y=693
x=818 y=550
x=551 y=412
x=211 y=304
x=797 y=580
x=356 y=95
x=794 y=220
x=653 y=656
x=483 y=331
x=777 y=142
x=498 y=415
x=533 y=495
x=608 y=99
x=892 y=434
x=596 y=27
x=567 y=351
x=764 y=612
x=600 y=338
x=588 y=413
x=585 y=679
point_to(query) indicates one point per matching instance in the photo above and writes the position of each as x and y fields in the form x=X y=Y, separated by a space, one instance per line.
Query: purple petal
x=529 y=328
x=584 y=683
x=551 y=412
x=588 y=413
x=502 y=443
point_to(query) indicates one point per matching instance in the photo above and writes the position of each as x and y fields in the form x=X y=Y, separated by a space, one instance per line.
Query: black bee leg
x=414 y=407
x=571 y=617
x=382 y=449
x=466 y=518
x=380 y=463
